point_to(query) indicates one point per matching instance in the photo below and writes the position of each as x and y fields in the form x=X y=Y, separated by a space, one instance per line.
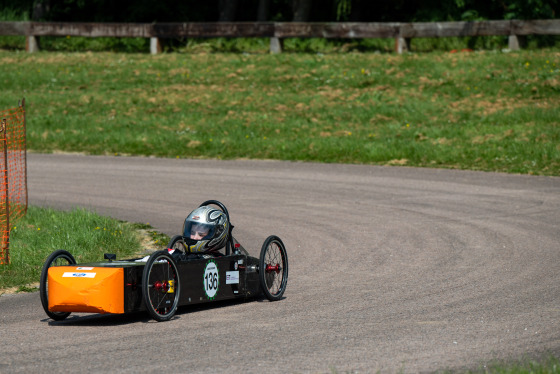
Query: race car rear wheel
x=161 y=286
x=57 y=258
x=273 y=268
x=178 y=243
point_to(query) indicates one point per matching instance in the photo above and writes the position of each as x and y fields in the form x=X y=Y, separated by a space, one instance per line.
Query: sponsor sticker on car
x=232 y=277
x=78 y=275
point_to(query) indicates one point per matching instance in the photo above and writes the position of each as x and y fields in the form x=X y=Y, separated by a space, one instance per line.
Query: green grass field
x=490 y=111
x=83 y=233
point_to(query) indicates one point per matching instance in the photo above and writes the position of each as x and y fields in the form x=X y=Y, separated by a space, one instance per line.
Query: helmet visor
x=198 y=231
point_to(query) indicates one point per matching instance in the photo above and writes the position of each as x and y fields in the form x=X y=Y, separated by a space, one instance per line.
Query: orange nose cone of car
x=86 y=289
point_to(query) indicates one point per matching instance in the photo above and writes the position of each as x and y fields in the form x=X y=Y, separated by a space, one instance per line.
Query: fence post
x=402 y=45
x=516 y=42
x=276 y=45
x=31 y=44
x=155 y=46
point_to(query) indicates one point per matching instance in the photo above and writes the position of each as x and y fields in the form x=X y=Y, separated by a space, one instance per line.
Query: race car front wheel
x=273 y=268
x=57 y=258
x=161 y=286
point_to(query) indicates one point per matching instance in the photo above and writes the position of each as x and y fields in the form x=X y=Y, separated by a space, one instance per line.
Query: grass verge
x=86 y=235
x=490 y=111
x=549 y=365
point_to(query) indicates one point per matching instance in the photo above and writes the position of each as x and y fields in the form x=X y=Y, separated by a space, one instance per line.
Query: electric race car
x=191 y=271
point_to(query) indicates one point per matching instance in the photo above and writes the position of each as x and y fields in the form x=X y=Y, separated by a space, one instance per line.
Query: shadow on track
x=82 y=319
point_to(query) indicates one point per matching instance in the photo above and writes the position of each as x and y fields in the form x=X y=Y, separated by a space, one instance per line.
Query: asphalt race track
x=392 y=269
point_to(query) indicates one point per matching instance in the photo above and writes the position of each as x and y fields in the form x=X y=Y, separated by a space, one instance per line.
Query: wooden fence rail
x=401 y=32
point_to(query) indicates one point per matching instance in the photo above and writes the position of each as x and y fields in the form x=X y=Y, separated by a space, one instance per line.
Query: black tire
x=57 y=258
x=177 y=242
x=273 y=268
x=161 y=286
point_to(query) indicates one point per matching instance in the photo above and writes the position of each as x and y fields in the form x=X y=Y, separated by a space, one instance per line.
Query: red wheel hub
x=161 y=286
x=271 y=268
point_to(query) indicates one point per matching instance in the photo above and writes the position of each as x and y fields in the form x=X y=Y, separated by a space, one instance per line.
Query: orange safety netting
x=13 y=173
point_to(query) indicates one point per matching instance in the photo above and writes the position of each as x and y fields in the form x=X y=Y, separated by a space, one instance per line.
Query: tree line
x=281 y=10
